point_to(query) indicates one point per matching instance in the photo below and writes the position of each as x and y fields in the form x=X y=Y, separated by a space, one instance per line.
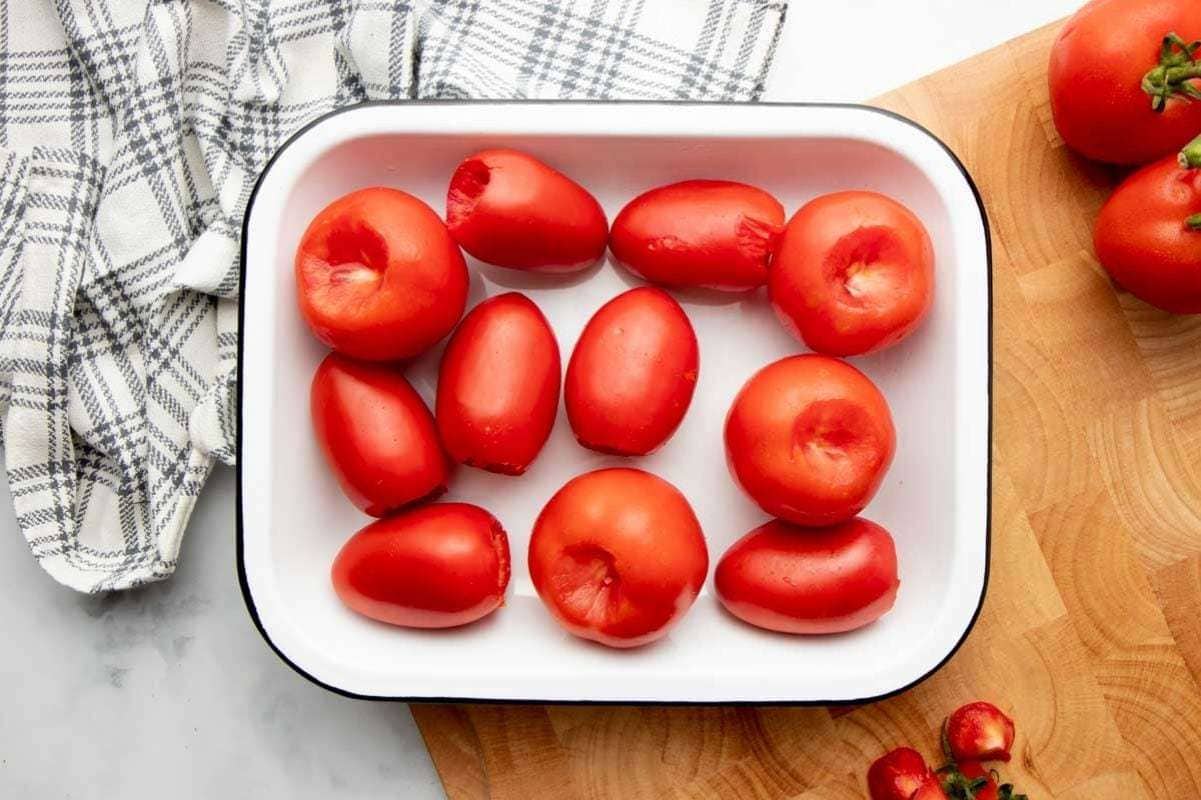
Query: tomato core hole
x=866 y=265
x=466 y=186
x=586 y=582
x=833 y=431
x=356 y=253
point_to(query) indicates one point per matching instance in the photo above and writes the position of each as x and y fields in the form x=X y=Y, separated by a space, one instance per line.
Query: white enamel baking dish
x=935 y=500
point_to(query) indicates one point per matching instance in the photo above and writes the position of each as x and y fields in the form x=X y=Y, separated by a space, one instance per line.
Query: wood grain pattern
x=1091 y=632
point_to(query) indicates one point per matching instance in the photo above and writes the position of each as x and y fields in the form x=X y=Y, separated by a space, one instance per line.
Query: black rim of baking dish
x=245 y=585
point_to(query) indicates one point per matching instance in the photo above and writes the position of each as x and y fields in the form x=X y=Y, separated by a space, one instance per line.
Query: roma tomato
x=809 y=438
x=809 y=580
x=854 y=273
x=897 y=774
x=632 y=373
x=498 y=387
x=979 y=732
x=379 y=277
x=509 y=209
x=437 y=566
x=377 y=435
x=1148 y=236
x=1120 y=88
x=712 y=234
x=618 y=557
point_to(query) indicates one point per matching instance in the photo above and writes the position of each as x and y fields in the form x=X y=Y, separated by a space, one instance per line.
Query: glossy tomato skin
x=379 y=277
x=980 y=732
x=1096 y=72
x=700 y=233
x=897 y=774
x=809 y=438
x=509 y=209
x=377 y=435
x=618 y=557
x=1143 y=242
x=809 y=580
x=854 y=273
x=498 y=386
x=632 y=374
x=437 y=566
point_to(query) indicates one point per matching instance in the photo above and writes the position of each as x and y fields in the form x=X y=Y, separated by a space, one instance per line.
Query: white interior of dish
x=934 y=500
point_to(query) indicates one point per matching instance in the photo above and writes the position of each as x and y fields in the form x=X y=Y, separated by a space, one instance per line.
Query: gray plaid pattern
x=131 y=134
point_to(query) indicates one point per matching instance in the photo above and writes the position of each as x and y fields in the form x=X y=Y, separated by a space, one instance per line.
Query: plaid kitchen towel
x=131 y=134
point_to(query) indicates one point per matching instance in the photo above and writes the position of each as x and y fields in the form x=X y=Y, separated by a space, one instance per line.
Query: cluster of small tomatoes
x=1125 y=80
x=616 y=555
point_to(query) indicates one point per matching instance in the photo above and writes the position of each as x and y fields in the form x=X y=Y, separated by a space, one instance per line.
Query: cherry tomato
x=854 y=273
x=809 y=438
x=498 y=388
x=509 y=209
x=712 y=234
x=1110 y=71
x=379 y=277
x=897 y=774
x=618 y=557
x=1144 y=239
x=809 y=580
x=979 y=732
x=436 y=566
x=632 y=373
x=377 y=435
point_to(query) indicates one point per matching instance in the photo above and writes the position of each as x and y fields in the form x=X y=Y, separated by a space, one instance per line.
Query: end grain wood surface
x=1091 y=632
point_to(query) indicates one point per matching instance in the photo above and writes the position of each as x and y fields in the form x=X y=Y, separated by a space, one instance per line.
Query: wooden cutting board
x=1091 y=632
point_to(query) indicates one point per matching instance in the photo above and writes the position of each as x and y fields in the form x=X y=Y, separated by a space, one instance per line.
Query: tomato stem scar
x=1173 y=76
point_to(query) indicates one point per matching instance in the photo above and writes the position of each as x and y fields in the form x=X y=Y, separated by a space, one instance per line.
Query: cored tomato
x=809 y=580
x=632 y=373
x=712 y=234
x=377 y=435
x=379 y=277
x=510 y=209
x=897 y=774
x=498 y=388
x=1120 y=86
x=1148 y=236
x=436 y=566
x=809 y=438
x=854 y=273
x=618 y=557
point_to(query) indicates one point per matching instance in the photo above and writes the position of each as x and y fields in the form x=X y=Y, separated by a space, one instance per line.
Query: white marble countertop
x=225 y=717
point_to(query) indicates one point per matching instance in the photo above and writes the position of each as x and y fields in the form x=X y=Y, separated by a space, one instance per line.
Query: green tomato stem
x=1179 y=65
x=1194 y=222
x=1190 y=156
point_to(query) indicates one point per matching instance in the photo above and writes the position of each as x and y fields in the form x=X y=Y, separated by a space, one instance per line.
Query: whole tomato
x=1122 y=74
x=854 y=273
x=1148 y=236
x=979 y=732
x=809 y=439
x=618 y=556
x=436 y=566
x=498 y=387
x=897 y=774
x=377 y=435
x=510 y=209
x=809 y=580
x=378 y=276
x=632 y=374
x=712 y=234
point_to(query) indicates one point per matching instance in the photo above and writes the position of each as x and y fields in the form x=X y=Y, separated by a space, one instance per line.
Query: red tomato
x=809 y=438
x=809 y=580
x=632 y=373
x=714 y=234
x=509 y=209
x=897 y=774
x=436 y=566
x=973 y=770
x=1144 y=239
x=379 y=277
x=931 y=789
x=1107 y=68
x=854 y=273
x=618 y=556
x=979 y=732
x=498 y=388
x=377 y=435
